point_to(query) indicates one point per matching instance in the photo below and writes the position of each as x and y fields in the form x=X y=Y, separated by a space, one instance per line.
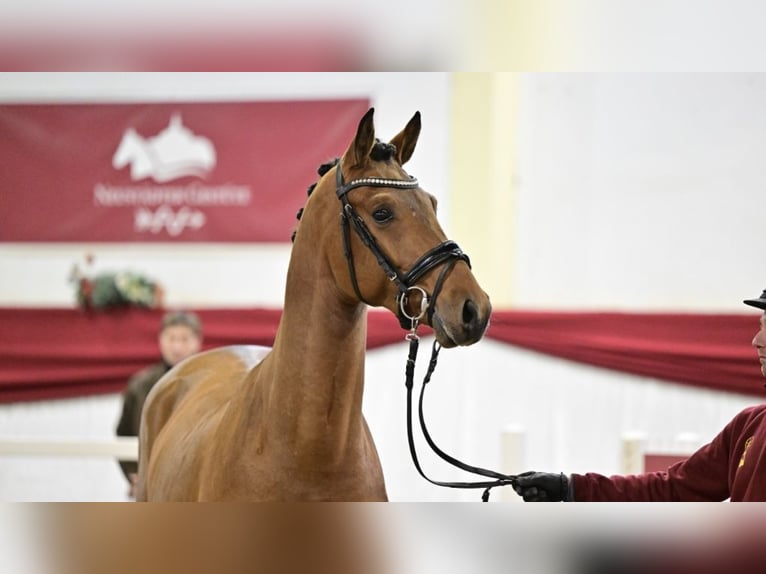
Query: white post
x=633 y=448
x=512 y=458
x=124 y=448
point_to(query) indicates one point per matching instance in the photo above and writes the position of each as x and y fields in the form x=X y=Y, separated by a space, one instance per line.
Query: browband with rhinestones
x=378 y=182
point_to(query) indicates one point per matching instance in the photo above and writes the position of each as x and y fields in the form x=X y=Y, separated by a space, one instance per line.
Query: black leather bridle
x=447 y=253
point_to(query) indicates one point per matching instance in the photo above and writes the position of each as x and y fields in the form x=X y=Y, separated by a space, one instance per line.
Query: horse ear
x=359 y=150
x=406 y=139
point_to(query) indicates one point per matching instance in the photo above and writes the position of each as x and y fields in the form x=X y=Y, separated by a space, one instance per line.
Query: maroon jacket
x=732 y=466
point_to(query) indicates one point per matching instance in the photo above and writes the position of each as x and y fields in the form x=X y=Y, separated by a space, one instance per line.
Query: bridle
x=447 y=253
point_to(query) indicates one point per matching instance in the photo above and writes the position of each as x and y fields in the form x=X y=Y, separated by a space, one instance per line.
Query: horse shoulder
x=197 y=385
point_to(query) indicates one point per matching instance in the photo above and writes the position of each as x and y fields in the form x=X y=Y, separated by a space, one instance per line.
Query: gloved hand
x=542 y=487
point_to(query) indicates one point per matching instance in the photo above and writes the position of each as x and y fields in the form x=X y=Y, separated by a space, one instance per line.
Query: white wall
x=633 y=192
x=640 y=191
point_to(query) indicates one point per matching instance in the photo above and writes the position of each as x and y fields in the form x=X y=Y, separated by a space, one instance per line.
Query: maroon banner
x=183 y=172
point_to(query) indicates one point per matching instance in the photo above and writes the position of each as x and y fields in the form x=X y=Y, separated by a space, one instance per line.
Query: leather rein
x=447 y=253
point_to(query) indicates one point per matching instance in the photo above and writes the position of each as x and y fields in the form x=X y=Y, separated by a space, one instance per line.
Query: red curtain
x=707 y=350
x=55 y=353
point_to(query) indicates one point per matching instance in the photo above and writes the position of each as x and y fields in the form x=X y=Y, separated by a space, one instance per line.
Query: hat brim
x=759 y=303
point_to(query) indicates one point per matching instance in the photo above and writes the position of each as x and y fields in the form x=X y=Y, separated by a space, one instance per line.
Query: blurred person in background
x=732 y=466
x=180 y=337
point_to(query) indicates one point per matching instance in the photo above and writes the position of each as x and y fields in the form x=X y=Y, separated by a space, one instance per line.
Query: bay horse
x=286 y=423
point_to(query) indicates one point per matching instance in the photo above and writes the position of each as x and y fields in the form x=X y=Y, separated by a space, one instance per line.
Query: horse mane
x=321 y=170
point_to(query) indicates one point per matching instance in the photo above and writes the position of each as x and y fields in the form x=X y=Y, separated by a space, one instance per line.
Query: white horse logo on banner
x=174 y=152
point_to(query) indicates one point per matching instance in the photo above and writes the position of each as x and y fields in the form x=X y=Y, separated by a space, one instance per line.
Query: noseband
x=447 y=251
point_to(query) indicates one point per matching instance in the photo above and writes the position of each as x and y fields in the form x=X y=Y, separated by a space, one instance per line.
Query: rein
x=447 y=253
x=500 y=479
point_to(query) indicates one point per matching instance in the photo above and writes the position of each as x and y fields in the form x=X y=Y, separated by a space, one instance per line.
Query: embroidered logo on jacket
x=748 y=442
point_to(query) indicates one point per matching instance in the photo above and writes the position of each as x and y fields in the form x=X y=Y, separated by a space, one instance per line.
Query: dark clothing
x=732 y=466
x=134 y=397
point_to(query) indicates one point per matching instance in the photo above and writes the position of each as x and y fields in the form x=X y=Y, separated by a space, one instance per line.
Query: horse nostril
x=470 y=313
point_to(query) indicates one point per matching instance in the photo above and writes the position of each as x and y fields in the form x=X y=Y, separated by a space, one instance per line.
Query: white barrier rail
x=123 y=448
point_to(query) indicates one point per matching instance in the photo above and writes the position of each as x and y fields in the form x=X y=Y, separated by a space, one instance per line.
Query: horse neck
x=317 y=367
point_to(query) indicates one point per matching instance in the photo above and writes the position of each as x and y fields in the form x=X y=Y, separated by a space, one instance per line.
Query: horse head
x=390 y=250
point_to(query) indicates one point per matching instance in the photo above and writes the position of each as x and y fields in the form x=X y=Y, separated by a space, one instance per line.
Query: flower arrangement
x=114 y=289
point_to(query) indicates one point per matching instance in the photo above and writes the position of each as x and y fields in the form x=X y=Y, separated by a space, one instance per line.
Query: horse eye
x=382 y=215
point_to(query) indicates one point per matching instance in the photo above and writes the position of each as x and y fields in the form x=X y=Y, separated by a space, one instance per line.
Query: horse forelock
x=382 y=151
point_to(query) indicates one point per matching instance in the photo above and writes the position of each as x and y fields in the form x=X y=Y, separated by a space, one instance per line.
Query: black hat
x=760 y=302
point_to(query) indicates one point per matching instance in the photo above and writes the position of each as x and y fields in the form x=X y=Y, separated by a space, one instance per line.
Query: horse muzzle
x=461 y=326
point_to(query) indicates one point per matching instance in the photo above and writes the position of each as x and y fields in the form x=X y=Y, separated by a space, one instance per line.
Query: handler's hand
x=542 y=486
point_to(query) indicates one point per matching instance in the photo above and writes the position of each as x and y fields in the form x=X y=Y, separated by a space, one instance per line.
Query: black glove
x=542 y=487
